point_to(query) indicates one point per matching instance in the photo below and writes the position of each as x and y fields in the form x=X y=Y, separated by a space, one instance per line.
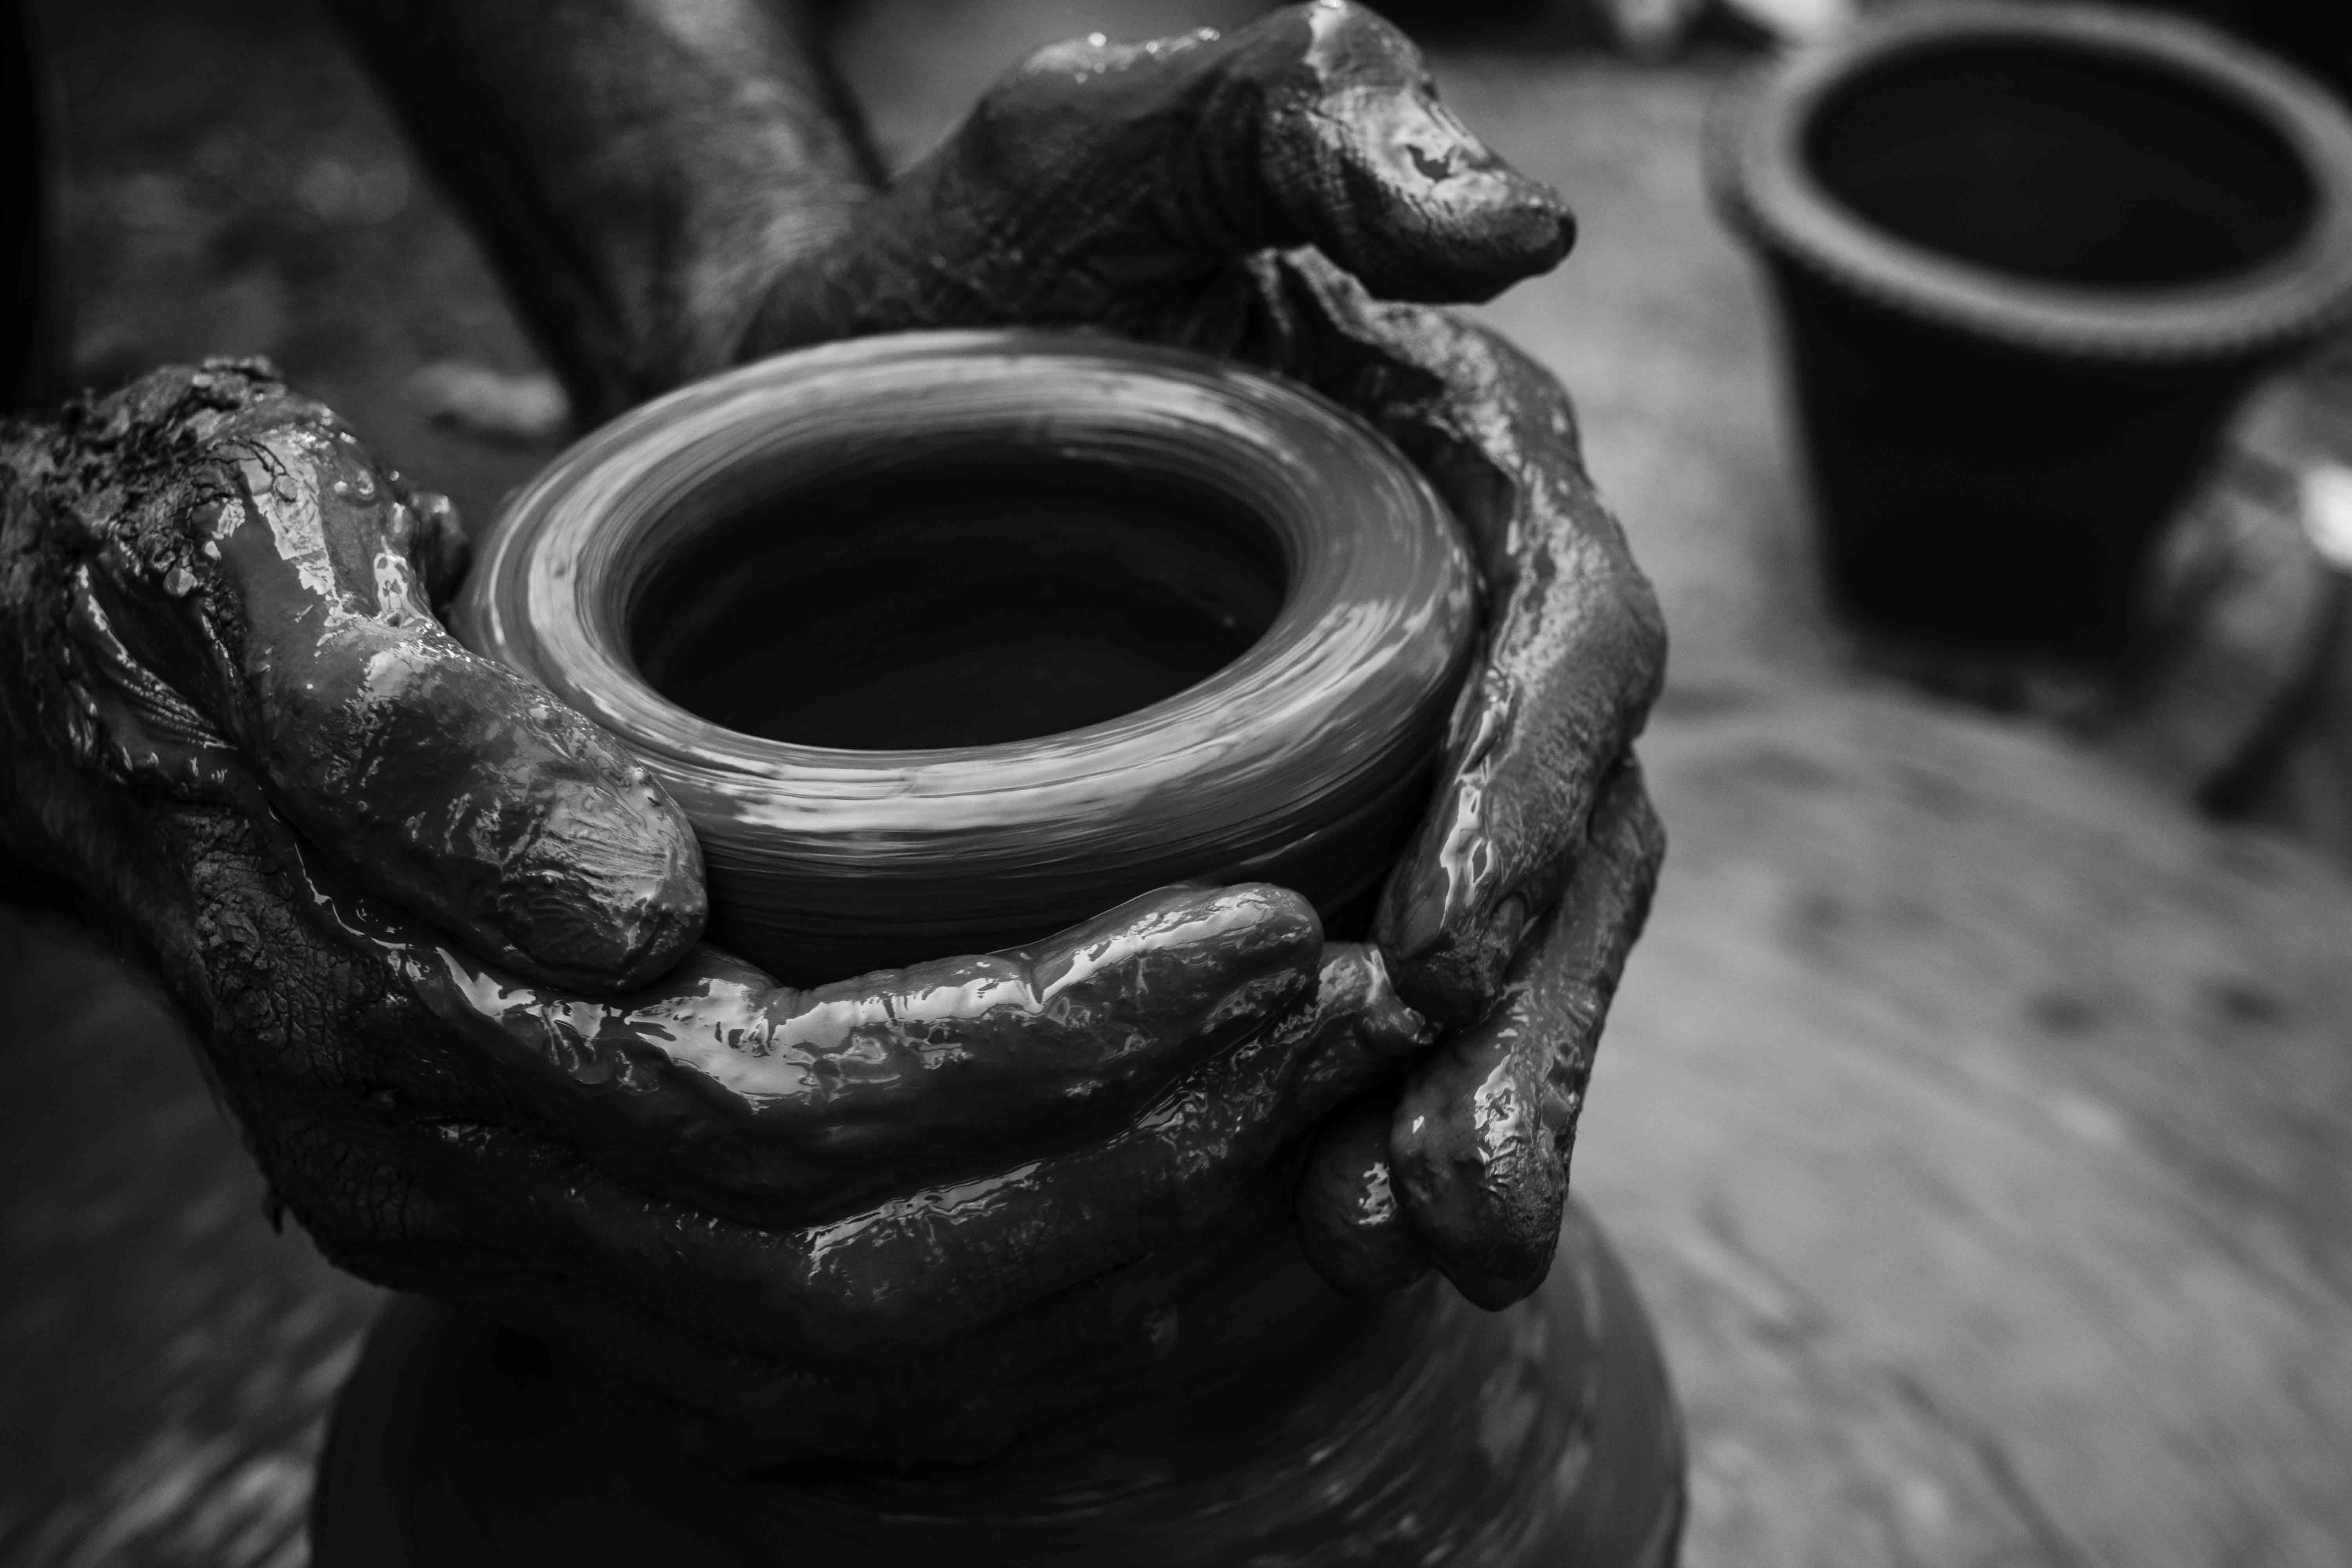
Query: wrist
x=634 y=167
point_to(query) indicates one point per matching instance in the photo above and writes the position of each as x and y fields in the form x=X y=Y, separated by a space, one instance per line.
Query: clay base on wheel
x=1544 y=1434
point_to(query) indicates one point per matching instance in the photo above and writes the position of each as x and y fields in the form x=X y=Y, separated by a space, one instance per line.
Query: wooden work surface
x=1977 y=1122
x=1977 y=1128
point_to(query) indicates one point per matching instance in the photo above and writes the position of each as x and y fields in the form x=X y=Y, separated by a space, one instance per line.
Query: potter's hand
x=1115 y=184
x=384 y=875
x=1139 y=187
x=1510 y=917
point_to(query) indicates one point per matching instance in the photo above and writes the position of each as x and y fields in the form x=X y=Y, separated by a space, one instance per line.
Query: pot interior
x=959 y=600
x=2062 y=163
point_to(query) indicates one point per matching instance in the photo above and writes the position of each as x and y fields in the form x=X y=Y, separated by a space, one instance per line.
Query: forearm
x=638 y=169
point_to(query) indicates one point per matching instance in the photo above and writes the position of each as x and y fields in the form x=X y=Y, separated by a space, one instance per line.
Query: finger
x=1357 y=157
x=1363 y=1026
x=277 y=585
x=1577 y=648
x=1479 y=1147
x=916 y=1273
x=1346 y=1220
x=1349 y=1225
x=777 y=1106
x=1317 y=125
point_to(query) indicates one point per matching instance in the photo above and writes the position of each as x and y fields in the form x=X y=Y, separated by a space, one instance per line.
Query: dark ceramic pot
x=2029 y=259
x=947 y=641
x=1289 y=1428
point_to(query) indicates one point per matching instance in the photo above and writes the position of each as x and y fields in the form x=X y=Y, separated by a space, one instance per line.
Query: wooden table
x=1977 y=1123
x=1980 y=1131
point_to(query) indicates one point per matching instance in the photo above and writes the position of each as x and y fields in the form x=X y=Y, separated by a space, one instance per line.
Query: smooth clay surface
x=1416 y=1429
x=1236 y=613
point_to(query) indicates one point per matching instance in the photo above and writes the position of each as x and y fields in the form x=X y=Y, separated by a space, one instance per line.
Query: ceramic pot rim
x=568 y=641
x=1766 y=187
x=1284 y=765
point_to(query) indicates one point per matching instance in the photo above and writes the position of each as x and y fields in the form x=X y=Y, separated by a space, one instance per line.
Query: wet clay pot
x=947 y=641
x=2029 y=259
x=943 y=642
x=1289 y=1429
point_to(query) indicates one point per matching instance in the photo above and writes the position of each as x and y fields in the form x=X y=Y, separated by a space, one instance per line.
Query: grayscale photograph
x=1176 y=783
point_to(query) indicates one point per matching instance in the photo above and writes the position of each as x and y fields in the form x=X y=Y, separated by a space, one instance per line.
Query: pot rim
x=1765 y=188
x=1321 y=729
x=541 y=610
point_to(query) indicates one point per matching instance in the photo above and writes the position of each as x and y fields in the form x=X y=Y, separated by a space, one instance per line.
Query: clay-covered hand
x=1510 y=916
x=1269 y=194
x=437 y=935
x=1114 y=186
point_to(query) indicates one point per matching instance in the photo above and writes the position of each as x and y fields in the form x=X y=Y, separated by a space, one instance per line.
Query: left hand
x=1167 y=190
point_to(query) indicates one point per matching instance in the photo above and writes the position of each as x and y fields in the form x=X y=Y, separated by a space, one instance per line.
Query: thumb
x=274 y=582
x=1361 y=161
x=1317 y=124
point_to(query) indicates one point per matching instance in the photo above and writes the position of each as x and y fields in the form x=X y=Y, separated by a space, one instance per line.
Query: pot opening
x=958 y=602
x=2062 y=163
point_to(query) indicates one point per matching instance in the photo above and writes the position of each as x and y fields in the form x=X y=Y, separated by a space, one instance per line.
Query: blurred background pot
x=947 y=641
x=2029 y=259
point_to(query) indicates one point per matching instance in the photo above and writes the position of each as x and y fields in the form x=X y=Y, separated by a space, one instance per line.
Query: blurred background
x=1978 y=1114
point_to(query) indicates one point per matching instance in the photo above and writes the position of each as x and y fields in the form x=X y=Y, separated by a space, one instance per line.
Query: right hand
x=1280 y=194
x=387 y=879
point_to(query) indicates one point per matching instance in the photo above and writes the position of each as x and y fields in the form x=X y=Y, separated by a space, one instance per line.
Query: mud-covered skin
x=1401 y=1180
x=833 y=1194
x=779 y=1105
x=246 y=606
x=1113 y=184
x=1351 y=1225
x=1575 y=653
x=1542 y=735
